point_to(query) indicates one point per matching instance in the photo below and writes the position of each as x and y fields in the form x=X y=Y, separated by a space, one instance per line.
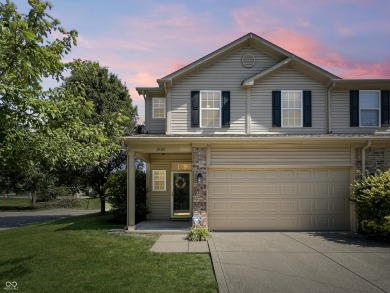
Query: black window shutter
x=354 y=108
x=306 y=108
x=225 y=109
x=385 y=104
x=195 y=108
x=276 y=108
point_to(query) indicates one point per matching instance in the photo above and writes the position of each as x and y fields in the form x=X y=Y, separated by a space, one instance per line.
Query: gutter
x=328 y=105
x=143 y=94
x=364 y=158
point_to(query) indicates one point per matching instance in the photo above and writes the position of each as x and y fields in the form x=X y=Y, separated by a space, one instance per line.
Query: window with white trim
x=292 y=109
x=158 y=105
x=159 y=180
x=210 y=109
x=369 y=107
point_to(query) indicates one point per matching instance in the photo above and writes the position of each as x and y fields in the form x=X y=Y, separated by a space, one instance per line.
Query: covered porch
x=175 y=180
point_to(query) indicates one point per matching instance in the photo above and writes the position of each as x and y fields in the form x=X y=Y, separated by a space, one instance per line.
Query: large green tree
x=112 y=110
x=40 y=130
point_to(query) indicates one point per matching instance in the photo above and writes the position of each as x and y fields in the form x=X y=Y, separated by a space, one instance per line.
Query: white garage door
x=278 y=199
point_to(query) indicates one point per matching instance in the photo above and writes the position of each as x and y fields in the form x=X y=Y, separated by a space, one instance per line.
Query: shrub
x=116 y=191
x=65 y=202
x=52 y=192
x=372 y=199
x=198 y=233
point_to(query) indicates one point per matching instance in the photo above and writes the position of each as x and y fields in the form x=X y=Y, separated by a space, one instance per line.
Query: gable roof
x=257 y=42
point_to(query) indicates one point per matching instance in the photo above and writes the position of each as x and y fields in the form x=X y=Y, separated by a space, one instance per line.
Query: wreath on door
x=180 y=182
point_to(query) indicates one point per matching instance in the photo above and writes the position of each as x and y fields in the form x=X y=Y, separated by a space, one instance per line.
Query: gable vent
x=248 y=60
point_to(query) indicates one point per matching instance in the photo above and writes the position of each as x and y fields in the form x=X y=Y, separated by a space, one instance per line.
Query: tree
x=41 y=130
x=113 y=110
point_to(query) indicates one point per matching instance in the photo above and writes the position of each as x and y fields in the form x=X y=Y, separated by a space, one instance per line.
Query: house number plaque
x=160 y=149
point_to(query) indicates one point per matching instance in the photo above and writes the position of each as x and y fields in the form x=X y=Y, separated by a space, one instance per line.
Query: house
x=252 y=137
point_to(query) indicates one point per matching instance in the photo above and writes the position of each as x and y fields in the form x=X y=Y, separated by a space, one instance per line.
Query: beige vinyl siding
x=155 y=125
x=287 y=79
x=160 y=201
x=340 y=113
x=225 y=74
x=274 y=155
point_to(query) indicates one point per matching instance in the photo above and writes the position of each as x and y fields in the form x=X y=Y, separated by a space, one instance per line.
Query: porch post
x=130 y=190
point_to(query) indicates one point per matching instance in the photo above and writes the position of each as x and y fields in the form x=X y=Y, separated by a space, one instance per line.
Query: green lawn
x=14 y=204
x=25 y=204
x=92 y=204
x=78 y=255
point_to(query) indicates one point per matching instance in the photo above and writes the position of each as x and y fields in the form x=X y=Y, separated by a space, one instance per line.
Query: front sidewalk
x=178 y=243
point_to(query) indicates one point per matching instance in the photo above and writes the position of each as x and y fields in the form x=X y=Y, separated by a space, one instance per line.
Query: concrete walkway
x=178 y=243
x=162 y=227
x=299 y=262
x=13 y=219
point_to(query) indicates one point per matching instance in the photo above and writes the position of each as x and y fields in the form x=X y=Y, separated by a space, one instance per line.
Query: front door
x=181 y=194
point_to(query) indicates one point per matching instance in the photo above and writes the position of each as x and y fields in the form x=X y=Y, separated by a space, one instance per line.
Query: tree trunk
x=102 y=205
x=33 y=199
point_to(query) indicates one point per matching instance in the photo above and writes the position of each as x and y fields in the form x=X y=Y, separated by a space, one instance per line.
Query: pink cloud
x=307 y=46
x=376 y=70
x=143 y=79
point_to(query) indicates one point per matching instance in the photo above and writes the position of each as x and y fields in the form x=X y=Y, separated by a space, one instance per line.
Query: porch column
x=130 y=190
x=199 y=166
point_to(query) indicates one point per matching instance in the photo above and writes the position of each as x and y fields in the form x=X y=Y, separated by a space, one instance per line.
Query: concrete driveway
x=299 y=262
x=13 y=219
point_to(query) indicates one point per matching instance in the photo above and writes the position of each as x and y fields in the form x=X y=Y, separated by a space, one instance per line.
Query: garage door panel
x=285 y=223
x=280 y=207
x=279 y=199
x=253 y=206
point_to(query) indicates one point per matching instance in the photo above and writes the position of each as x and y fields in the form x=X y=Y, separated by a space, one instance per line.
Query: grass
x=91 y=204
x=78 y=255
x=19 y=204
x=15 y=204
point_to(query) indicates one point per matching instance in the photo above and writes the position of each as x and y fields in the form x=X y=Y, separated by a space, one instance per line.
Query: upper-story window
x=292 y=109
x=158 y=105
x=369 y=107
x=210 y=109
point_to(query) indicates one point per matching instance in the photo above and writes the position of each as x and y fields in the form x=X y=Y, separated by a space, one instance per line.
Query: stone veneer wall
x=199 y=197
x=375 y=160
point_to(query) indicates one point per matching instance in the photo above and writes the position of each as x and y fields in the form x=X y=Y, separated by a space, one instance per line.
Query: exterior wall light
x=200 y=178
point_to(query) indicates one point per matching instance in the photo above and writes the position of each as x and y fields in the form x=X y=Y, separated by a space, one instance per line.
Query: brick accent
x=199 y=166
x=375 y=160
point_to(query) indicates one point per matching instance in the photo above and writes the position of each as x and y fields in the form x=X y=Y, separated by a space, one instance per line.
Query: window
x=292 y=109
x=158 y=107
x=159 y=180
x=369 y=107
x=210 y=109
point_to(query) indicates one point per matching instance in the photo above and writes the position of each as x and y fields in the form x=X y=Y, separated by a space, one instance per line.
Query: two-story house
x=252 y=137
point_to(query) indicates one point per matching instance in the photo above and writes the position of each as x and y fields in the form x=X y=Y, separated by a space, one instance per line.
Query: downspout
x=329 y=125
x=364 y=158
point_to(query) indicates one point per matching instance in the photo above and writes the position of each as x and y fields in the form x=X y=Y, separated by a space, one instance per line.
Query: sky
x=143 y=40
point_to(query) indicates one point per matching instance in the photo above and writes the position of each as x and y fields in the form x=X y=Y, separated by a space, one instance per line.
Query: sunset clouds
x=142 y=41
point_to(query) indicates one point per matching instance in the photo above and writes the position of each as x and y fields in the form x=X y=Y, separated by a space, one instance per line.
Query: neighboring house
x=252 y=137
